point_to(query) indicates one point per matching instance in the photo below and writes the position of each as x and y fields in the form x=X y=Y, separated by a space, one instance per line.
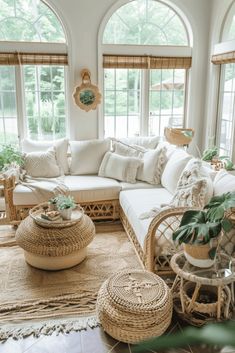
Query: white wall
x=82 y=20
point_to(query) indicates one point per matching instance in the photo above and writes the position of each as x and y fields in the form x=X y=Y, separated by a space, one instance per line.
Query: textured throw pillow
x=173 y=169
x=193 y=189
x=86 y=156
x=60 y=146
x=119 y=167
x=152 y=166
x=41 y=164
x=128 y=150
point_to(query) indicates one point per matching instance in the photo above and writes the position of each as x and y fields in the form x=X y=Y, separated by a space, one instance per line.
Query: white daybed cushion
x=119 y=167
x=61 y=149
x=173 y=169
x=136 y=202
x=85 y=188
x=223 y=182
x=86 y=156
x=144 y=141
x=138 y=185
x=42 y=164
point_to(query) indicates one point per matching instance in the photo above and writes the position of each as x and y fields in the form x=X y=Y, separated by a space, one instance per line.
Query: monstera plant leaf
x=212 y=334
x=194 y=228
x=218 y=205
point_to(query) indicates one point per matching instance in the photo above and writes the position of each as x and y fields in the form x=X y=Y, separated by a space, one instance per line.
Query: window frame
x=167 y=51
x=140 y=50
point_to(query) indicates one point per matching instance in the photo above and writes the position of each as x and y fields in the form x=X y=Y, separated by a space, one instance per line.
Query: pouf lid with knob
x=134 y=305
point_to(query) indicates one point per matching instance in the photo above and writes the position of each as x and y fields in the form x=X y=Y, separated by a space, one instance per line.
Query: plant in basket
x=53 y=203
x=200 y=231
x=65 y=204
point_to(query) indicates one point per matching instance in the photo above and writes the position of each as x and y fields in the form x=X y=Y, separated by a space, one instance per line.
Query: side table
x=54 y=248
x=203 y=294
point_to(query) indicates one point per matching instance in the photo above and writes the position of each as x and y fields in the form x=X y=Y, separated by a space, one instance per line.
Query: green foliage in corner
x=10 y=154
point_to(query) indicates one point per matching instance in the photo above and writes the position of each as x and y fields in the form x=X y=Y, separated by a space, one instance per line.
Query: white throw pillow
x=61 y=150
x=144 y=141
x=41 y=164
x=86 y=156
x=128 y=150
x=193 y=188
x=223 y=182
x=152 y=167
x=119 y=167
x=173 y=169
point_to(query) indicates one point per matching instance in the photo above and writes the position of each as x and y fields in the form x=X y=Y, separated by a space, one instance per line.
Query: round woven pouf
x=134 y=305
x=55 y=248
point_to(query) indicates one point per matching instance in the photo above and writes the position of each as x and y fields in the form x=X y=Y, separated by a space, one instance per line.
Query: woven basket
x=54 y=241
x=134 y=305
x=179 y=137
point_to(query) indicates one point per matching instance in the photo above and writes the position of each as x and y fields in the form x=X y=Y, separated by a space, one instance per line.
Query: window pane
x=226 y=110
x=166 y=100
x=45 y=102
x=122 y=102
x=145 y=22
x=27 y=20
x=8 y=112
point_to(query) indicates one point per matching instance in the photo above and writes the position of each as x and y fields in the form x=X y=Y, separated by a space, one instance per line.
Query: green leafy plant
x=200 y=226
x=228 y=164
x=64 y=202
x=10 y=154
x=212 y=334
x=53 y=200
x=209 y=153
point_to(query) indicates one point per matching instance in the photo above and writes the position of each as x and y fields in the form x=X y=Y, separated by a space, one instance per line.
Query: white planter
x=198 y=255
x=66 y=213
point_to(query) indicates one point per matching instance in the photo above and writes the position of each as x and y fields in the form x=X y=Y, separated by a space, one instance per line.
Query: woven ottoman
x=134 y=305
x=54 y=248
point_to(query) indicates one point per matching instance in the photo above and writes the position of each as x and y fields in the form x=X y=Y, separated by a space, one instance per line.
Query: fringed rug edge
x=47 y=328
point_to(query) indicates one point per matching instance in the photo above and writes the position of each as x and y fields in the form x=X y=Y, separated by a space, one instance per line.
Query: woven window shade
x=125 y=62
x=33 y=59
x=170 y=62
x=145 y=62
x=224 y=58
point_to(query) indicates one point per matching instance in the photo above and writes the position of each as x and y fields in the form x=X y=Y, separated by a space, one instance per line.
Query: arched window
x=146 y=56
x=225 y=136
x=33 y=57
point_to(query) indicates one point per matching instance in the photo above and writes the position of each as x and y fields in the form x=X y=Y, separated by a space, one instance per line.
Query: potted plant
x=53 y=203
x=65 y=204
x=210 y=153
x=200 y=230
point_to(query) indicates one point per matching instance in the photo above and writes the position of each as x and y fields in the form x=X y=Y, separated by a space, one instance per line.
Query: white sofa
x=107 y=198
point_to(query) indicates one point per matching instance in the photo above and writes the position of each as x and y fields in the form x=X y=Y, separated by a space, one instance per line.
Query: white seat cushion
x=84 y=188
x=136 y=202
x=138 y=185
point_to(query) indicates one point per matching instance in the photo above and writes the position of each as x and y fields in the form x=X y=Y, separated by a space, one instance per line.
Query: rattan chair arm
x=151 y=239
x=8 y=188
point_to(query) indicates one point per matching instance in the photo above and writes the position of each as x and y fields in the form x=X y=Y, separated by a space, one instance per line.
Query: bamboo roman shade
x=224 y=58
x=146 y=62
x=33 y=59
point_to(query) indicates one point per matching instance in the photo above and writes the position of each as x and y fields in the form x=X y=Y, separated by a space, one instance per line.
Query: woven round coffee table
x=55 y=248
x=134 y=305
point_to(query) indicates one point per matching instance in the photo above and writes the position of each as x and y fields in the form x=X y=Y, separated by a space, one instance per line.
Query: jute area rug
x=38 y=302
